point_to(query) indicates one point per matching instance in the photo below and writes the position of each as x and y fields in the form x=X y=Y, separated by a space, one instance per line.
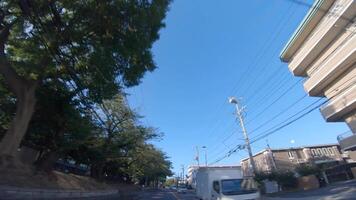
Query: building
x=269 y=160
x=323 y=51
x=191 y=175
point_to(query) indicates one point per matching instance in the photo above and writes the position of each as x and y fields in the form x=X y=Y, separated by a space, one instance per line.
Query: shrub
x=305 y=170
x=286 y=179
x=260 y=176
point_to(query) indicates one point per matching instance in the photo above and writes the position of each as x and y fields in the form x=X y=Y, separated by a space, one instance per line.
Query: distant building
x=191 y=175
x=323 y=50
x=285 y=159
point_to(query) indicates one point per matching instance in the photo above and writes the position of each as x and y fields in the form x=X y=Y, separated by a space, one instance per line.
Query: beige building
x=191 y=175
x=269 y=160
x=323 y=51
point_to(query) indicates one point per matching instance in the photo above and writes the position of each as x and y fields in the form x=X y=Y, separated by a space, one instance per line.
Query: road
x=342 y=190
x=165 y=195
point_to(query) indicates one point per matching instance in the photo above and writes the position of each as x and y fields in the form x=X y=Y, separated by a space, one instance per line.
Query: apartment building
x=269 y=159
x=191 y=175
x=323 y=51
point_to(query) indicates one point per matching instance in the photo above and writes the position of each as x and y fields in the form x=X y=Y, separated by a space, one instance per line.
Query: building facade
x=191 y=175
x=287 y=159
x=323 y=51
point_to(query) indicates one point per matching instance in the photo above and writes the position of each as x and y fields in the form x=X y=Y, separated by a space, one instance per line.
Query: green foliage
x=261 y=176
x=305 y=170
x=170 y=182
x=82 y=54
x=7 y=108
x=58 y=123
x=286 y=179
x=96 y=44
x=92 y=49
x=119 y=150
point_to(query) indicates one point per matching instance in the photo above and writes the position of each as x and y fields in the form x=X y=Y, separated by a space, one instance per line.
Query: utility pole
x=183 y=174
x=197 y=156
x=239 y=113
x=206 y=155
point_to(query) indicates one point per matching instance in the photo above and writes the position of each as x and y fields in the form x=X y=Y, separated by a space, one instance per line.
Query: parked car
x=181 y=189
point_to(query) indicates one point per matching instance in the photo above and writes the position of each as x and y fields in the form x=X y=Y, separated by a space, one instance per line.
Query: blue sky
x=211 y=50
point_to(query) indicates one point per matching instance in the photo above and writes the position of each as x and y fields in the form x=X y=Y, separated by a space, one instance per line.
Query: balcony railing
x=347 y=141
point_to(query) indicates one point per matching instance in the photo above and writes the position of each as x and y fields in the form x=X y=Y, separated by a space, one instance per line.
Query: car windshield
x=238 y=186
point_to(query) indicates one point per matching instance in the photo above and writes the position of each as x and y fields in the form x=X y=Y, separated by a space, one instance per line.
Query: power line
x=286 y=122
x=259 y=55
x=277 y=99
x=279 y=113
x=322 y=62
x=267 y=83
x=275 y=88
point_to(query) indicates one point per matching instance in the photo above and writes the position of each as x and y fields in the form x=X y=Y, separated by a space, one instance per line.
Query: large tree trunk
x=24 y=91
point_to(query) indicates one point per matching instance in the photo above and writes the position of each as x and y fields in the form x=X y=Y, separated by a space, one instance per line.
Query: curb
x=16 y=193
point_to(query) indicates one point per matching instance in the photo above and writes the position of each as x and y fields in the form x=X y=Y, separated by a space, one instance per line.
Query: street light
x=232 y=100
x=239 y=111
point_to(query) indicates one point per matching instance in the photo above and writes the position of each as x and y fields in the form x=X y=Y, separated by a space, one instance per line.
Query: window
x=320 y=153
x=238 y=186
x=332 y=151
x=216 y=186
x=325 y=152
x=329 y=151
x=315 y=152
x=291 y=154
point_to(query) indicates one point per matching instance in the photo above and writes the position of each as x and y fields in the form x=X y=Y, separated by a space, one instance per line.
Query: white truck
x=224 y=183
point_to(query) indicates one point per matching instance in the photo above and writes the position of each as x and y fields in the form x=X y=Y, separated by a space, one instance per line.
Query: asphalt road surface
x=342 y=190
x=165 y=194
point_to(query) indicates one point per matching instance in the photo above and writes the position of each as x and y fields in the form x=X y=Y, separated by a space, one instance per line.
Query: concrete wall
x=351 y=120
x=282 y=160
x=352 y=156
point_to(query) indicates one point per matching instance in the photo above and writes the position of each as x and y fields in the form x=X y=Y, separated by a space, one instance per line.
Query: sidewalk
x=339 y=190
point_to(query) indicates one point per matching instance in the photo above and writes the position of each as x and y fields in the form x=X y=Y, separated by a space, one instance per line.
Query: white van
x=224 y=183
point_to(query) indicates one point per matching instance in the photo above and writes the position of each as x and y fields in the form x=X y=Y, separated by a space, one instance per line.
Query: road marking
x=175 y=196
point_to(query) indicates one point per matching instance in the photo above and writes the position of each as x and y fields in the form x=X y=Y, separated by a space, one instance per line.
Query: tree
x=94 y=48
x=58 y=124
x=305 y=170
x=119 y=134
x=151 y=165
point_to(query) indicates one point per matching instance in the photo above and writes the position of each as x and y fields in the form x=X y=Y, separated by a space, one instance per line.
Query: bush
x=286 y=179
x=260 y=176
x=305 y=170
